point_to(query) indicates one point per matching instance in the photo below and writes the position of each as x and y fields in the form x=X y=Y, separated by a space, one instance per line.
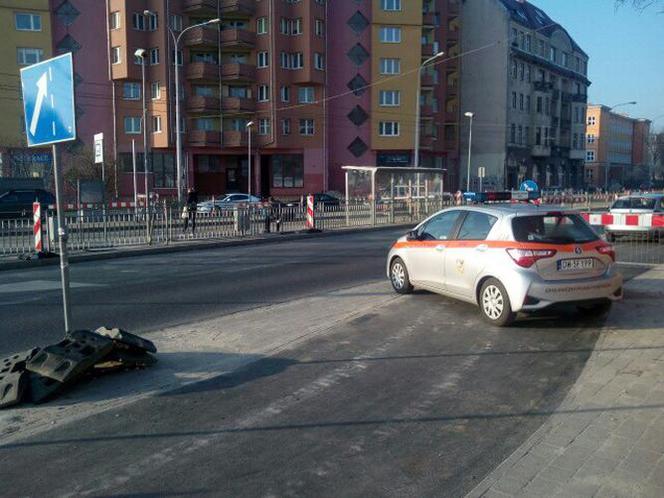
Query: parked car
x=227 y=201
x=635 y=204
x=18 y=203
x=506 y=259
x=319 y=199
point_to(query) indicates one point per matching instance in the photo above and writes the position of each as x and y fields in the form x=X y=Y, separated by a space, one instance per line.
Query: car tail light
x=528 y=257
x=608 y=251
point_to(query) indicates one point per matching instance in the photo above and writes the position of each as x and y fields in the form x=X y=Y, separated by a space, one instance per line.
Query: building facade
x=26 y=25
x=617 y=150
x=525 y=81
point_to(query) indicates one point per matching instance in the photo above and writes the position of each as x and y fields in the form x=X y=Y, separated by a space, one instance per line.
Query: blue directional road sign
x=48 y=101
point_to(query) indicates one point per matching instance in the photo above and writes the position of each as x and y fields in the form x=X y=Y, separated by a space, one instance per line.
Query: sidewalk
x=607 y=437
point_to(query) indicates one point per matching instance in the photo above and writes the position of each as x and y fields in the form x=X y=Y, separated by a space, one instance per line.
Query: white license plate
x=576 y=264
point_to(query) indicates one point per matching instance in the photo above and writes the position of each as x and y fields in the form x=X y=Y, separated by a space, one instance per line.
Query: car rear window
x=552 y=228
x=635 y=203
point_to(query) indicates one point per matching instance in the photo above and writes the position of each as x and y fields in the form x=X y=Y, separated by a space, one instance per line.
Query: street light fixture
x=248 y=126
x=470 y=146
x=178 y=125
x=416 y=145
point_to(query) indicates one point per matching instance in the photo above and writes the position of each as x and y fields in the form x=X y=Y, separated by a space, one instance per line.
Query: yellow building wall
x=11 y=105
x=410 y=53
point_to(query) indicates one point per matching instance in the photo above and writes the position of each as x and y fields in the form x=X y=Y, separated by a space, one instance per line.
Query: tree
x=642 y=4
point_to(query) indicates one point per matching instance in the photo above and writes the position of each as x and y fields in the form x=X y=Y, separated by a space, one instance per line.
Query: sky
x=626 y=50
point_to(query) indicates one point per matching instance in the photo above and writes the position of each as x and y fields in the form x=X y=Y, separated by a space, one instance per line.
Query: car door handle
x=440 y=248
x=482 y=247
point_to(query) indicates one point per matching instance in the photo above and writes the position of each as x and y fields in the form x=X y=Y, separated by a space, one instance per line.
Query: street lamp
x=607 y=169
x=141 y=53
x=416 y=145
x=178 y=126
x=248 y=126
x=470 y=146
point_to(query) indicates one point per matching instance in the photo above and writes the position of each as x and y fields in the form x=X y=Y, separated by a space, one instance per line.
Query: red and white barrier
x=36 y=227
x=311 y=221
x=635 y=220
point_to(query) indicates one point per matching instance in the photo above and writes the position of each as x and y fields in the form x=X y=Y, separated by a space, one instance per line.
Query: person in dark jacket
x=191 y=206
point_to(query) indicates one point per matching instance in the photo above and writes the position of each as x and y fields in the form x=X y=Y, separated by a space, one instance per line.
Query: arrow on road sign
x=42 y=87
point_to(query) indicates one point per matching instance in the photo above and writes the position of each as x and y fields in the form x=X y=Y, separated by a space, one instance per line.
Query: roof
x=533 y=17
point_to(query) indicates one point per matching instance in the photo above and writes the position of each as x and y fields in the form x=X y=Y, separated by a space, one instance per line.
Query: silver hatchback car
x=507 y=258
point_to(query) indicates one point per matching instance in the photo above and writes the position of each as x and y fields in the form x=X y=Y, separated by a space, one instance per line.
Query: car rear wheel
x=495 y=304
x=399 y=277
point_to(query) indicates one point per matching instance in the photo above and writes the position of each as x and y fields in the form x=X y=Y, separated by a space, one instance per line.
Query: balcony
x=199 y=103
x=235 y=7
x=430 y=18
x=427 y=111
x=566 y=97
x=580 y=97
x=238 y=38
x=429 y=79
x=235 y=71
x=453 y=7
x=201 y=36
x=428 y=141
x=452 y=89
x=234 y=138
x=238 y=104
x=429 y=49
x=555 y=95
x=451 y=117
x=203 y=138
x=202 y=71
x=542 y=86
x=540 y=151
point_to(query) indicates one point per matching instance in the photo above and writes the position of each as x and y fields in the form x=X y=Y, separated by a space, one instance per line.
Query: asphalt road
x=419 y=398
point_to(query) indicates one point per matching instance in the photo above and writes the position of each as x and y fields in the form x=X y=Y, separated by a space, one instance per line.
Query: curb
x=196 y=246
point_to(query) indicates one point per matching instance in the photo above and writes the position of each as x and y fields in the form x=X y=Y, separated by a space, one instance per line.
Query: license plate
x=576 y=264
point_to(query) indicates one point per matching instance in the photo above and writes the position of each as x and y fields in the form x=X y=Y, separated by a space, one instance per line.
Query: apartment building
x=524 y=78
x=26 y=28
x=616 y=149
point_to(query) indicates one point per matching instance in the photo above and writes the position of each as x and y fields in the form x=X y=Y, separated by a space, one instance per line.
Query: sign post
x=99 y=159
x=50 y=118
x=481 y=173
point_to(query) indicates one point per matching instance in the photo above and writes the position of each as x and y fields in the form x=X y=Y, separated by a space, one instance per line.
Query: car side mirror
x=412 y=235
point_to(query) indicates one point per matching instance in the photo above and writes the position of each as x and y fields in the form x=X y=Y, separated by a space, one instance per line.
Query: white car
x=227 y=201
x=627 y=216
x=507 y=258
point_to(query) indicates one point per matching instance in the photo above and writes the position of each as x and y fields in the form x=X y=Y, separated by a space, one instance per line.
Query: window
x=513 y=133
x=115 y=20
x=388 y=128
x=262 y=59
x=284 y=26
x=439 y=227
x=539 y=105
x=305 y=95
x=591 y=120
x=565 y=59
x=288 y=171
x=390 y=66
x=528 y=103
x=476 y=226
x=522 y=71
x=515 y=70
x=115 y=55
x=390 y=98
x=131 y=90
x=154 y=56
x=204 y=124
x=591 y=138
x=285 y=127
x=529 y=76
x=575 y=141
x=138 y=21
x=153 y=22
x=285 y=93
x=590 y=155
x=264 y=126
x=529 y=42
x=296 y=60
x=178 y=57
x=547 y=106
x=285 y=60
x=552 y=229
x=538 y=135
x=25 y=21
x=132 y=125
x=261 y=26
x=176 y=22
x=320 y=27
x=319 y=61
x=263 y=93
x=156 y=124
x=521 y=102
x=526 y=135
x=390 y=34
x=306 y=126
x=28 y=56
x=155 y=90
x=390 y=5
x=513 y=100
x=553 y=54
x=520 y=136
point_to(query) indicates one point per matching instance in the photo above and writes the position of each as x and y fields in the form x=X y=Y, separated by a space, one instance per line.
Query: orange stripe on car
x=496 y=244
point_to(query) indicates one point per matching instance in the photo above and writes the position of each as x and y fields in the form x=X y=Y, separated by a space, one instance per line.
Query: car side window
x=476 y=226
x=439 y=227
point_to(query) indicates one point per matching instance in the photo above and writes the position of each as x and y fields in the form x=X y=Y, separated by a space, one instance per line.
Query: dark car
x=326 y=199
x=18 y=203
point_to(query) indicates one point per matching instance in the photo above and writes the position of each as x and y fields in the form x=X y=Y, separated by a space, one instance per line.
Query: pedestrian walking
x=189 y=213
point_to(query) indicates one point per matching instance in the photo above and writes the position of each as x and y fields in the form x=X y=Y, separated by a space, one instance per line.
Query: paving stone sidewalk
x=607 y=437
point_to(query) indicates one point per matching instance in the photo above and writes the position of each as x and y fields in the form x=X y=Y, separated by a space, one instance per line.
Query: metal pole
x=392 y=198
x=145 y=155
x=416 y=161
x=62 y=238
x=470 y=148
x=373 y=198
x=178 y=130
x=347 y=199
x=249 y=160
x=133 y=160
